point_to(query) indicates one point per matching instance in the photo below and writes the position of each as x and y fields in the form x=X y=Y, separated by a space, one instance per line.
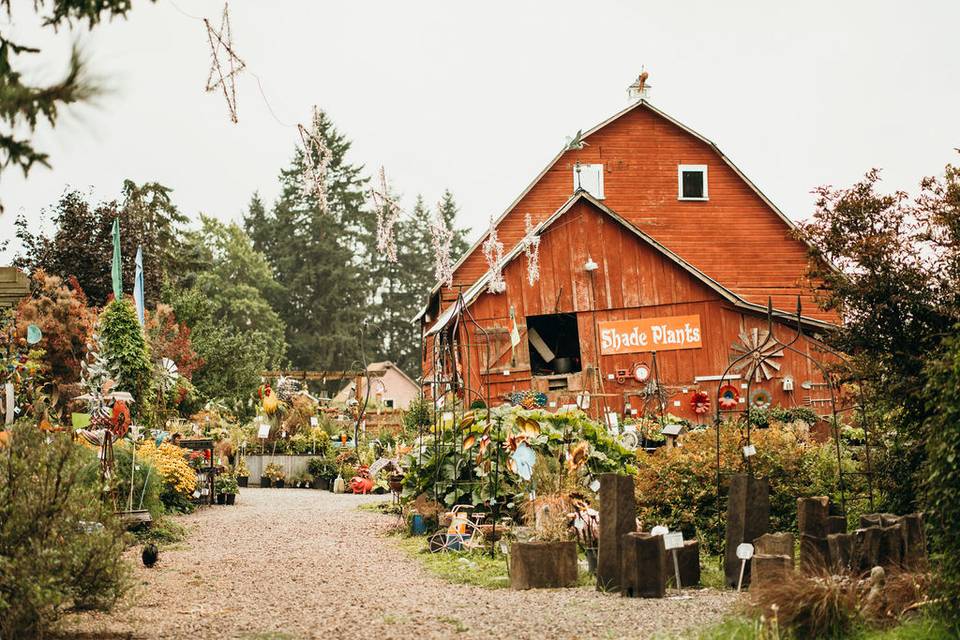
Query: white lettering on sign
x=650 y=334
x=673 y=540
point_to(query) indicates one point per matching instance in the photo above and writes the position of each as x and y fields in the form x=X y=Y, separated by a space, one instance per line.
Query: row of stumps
x=637 y=564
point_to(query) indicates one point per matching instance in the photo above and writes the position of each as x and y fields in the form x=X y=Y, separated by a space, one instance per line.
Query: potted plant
x=549 y=558
x=322 y=470
x=585 y=522
x=226 y=487
x=276 y=475
x=242 y=473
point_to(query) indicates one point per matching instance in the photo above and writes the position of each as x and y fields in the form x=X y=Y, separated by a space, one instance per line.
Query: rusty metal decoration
x=756 y=351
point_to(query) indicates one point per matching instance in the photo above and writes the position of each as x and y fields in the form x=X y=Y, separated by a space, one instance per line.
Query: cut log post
x=748 y=517
x=543 y=565
x=769 y=568
x=644 y=571
x=618 y=516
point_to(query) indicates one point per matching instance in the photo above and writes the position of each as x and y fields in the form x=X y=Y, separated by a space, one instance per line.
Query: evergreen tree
x=449 y=209
x=317 y=257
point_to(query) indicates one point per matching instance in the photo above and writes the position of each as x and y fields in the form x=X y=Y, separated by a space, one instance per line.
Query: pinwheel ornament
x=756 y=350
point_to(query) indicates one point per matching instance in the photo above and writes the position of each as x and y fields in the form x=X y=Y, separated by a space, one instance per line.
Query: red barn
x=650 y=241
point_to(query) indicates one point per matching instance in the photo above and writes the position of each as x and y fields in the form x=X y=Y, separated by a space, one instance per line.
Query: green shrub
x=678 y=487
x=60 y=546
x=126 y=349
x=942 y=490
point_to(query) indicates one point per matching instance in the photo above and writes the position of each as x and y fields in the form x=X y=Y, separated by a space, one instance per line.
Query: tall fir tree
x=314 y=257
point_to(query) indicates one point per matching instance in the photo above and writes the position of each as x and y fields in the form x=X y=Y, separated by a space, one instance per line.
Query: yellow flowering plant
x=171 y=462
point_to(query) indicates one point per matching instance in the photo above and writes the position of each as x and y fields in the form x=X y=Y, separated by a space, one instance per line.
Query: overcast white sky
x=477 y=97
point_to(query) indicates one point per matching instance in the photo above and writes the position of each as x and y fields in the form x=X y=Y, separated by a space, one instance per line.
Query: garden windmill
x=760 y=348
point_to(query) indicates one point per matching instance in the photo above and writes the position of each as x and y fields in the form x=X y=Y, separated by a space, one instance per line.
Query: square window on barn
x=554 y=344
x=588 y=177
x=692 y=180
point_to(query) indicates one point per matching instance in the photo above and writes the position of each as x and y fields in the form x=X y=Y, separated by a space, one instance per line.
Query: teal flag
x=138 y=286
x=117 y=273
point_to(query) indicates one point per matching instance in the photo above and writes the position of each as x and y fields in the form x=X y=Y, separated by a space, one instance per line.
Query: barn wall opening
x=554 y=344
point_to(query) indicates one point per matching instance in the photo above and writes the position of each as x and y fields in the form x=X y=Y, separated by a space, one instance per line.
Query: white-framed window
x=588 y=177
x=692 y=182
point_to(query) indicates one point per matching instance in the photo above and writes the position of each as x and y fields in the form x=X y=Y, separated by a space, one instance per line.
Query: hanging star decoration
x=441 y=239
x=531 y=248
x=388 y=213
x=316 y=160
x=493 y=252
x=223 y=73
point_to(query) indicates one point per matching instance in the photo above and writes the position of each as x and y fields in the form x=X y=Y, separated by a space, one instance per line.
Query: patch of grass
x=711 y=572
x=386 y=507
x=269 y=635
x=465 y=567
x=468 y=567
x=921 y=628
x=747 y=628
x=456 y=623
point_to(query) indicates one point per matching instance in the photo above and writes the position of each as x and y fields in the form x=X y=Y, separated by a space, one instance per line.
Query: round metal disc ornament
x=34 y=335
x=761 y=399
x=641 y=372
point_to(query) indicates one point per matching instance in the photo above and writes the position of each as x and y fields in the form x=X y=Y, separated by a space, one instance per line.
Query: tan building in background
x=14 y=285
x=393 y=390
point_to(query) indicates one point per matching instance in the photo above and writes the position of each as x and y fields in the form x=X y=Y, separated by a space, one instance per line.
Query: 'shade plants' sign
x=650 y=334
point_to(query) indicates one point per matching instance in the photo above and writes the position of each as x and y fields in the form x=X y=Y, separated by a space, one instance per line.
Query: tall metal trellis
x=755 y=358
x=452 y=394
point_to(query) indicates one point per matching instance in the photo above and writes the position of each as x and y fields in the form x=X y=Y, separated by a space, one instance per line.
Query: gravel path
x=286 y=564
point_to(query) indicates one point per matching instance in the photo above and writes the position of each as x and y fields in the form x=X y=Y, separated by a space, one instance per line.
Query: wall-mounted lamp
x=590 y=265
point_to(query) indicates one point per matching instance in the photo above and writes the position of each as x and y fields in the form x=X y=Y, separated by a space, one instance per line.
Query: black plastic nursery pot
x=231 y=498
x=321 y=483
x=242 y=481
x=265 y=482
x=221 y=498
x=278 y=484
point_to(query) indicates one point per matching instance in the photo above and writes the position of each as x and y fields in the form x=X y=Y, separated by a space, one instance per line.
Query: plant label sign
x=313 y=421
x=659 y=530
x=673 y=540
x=650 y=334
x=745 y=551
x=264 y=431
x=749 y=450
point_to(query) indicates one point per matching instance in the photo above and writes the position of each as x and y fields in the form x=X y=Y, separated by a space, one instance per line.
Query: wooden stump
x=543 y=565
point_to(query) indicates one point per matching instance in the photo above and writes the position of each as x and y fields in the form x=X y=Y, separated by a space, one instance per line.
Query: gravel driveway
x=307 y=564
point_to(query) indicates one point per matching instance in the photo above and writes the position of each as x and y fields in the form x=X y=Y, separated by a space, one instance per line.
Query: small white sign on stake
x=659 y=530
x=264 y=430
x=672 y=542
x=313 y=421
x=744 y=552
x=749 y=450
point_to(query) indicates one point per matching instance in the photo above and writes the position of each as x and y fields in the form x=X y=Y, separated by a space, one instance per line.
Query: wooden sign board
x=650 y=334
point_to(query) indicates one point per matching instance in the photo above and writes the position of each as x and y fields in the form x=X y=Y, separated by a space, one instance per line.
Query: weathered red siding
x=634 y=280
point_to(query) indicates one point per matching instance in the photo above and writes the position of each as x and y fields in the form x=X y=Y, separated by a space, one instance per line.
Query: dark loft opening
x=554 y=344
x=693 y=184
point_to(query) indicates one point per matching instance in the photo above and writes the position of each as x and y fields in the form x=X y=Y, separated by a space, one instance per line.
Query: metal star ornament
x=223 y=71
x=493 y=252
x=531 y=248
x=441 y=239
x=316 y=160
x=388 y=213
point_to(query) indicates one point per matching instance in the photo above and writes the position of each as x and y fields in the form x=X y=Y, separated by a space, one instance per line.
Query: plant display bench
x=205 y=475
x=543 y=565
